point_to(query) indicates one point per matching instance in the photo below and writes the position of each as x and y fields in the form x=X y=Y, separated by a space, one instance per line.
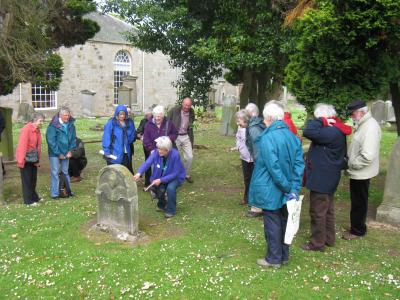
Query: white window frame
x=46 y=92
x=120 y=65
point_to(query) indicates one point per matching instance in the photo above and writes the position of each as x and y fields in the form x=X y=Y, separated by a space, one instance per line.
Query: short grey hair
x=36 y=116
x=323 y=110
x=363 y=109
x=163 y=142
x=277 y=102
x=148 y=110
x=244 y=115
x=159 y=110
x=273 y=111
x=65 y=109
x=252 y=109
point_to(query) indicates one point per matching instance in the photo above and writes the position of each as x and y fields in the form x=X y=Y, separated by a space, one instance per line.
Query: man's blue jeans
x=171 y=188
x=55 y=164
x=274 y=229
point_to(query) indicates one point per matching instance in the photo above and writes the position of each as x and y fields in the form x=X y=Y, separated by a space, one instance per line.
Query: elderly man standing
x=276 y=180
x=183 y=117
x=363 y=165
x=61 y=139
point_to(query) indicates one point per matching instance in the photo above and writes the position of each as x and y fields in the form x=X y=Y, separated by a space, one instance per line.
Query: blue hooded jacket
x=117 y=139
x=60 y=138
x=278 y=169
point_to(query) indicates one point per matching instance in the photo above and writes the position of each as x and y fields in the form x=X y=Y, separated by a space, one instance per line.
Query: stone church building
x=93 y=74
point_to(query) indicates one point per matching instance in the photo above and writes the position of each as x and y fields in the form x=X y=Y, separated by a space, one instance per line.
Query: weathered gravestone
x=390 y=116
x=389 y=210
x=25 y=111
x=88 y=103
x=228 y=126
x=378 y=111
x=117 y=200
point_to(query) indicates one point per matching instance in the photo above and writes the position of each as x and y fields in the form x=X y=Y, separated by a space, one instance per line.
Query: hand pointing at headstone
x=136 y=177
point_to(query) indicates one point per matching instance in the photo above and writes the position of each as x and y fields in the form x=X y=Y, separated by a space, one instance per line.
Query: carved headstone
x=228 y=126
x=88 y=103
x=389 y=210
x=390 y=116
x=117 y=200
x=379 y=111
x=25 y=111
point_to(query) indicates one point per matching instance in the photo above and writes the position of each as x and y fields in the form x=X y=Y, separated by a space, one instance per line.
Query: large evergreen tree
x=346 y=49
x=31 y=30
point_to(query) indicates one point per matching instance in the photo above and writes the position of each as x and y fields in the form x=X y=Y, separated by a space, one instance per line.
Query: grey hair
x=244 y=115
x=36 y=116
x=323 y=110
x=148 y=110
x=363 y=109
x=273 y=111
x=277 y=102
x=65 y=109
x=159 y=110
x=252 y=109
x=163 y=142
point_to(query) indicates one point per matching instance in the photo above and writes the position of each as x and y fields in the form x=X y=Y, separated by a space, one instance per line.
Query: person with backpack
x=61 y=140
x=119 y=133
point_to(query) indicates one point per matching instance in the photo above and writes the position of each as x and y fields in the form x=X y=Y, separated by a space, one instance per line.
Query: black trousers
x=76 y=165
x=147 y=175
x=359 y=206
x=29 y=179
x=247 y=168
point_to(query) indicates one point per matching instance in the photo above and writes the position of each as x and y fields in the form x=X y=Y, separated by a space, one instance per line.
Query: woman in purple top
x=168 y=174
x=242 y=120
x=156 y=127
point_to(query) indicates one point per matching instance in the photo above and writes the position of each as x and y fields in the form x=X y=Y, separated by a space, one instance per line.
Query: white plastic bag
x=293 y=222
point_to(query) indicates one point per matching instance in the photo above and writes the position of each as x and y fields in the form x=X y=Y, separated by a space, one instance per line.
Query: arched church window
x=122 y=67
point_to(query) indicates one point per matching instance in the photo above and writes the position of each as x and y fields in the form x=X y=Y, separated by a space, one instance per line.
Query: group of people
x=275 y=169
x=66 y=154
x=273 y=164
x=163 y=138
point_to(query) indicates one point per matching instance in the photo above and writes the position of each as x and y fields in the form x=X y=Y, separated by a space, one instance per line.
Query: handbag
x=33 y=155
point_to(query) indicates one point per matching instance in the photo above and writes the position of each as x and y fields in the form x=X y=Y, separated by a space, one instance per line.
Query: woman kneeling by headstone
x=168 y=174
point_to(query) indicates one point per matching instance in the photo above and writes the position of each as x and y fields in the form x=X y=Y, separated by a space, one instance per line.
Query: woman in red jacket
x=28 y=156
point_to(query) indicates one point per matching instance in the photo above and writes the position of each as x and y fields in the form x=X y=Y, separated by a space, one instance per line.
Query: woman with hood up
x=119 y=134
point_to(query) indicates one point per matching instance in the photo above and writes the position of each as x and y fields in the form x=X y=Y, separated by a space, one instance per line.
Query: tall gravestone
x=88 y=103
x=117 y=200
x=389 y=210
x=228 y=126
x=378 y=111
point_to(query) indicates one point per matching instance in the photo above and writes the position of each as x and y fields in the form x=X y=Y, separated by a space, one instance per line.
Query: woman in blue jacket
x=168 y=174
x=119 y=134
x=276 y=179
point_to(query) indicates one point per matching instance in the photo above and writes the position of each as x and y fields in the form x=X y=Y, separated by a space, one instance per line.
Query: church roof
x=111 y=29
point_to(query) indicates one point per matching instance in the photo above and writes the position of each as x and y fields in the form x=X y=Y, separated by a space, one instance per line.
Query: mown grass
x=207 y=251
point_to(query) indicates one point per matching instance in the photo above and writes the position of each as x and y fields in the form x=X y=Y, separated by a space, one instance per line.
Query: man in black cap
x=363 y=163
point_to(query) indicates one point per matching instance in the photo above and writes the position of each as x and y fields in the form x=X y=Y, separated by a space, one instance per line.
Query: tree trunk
x=262 y=80
x=247 y=86
x=395 y=91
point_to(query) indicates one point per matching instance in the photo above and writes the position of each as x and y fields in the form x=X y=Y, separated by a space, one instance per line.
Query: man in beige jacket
x=363 y=155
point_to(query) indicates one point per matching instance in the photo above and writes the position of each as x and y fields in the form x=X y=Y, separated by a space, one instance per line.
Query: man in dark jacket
x=61 y=139
x=183 y=117
x=77 y=162
x=325 y=161
x=148 y=115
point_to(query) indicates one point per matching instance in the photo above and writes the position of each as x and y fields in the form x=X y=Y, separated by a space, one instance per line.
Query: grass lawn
x=207 y=251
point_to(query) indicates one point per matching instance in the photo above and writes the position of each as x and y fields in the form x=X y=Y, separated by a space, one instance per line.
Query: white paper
x=293 y=222
x=109 y=156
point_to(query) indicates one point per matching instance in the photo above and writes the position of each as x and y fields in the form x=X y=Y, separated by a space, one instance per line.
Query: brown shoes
x=76 y=178
x=189 y=179
x=243 y=202
x=348 y=236
x=310 y=247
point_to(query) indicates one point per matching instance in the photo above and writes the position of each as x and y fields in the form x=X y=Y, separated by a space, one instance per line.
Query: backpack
x=64 y=190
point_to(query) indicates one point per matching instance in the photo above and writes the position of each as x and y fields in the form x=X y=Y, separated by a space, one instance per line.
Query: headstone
x=228 y=126
x=25 y=111
x=6 y=139
x=390 y=116
x=378 y=111
x=124 y=95
x=389 y=210
x=130 y=82
x=88 y=103
x=117 y=200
